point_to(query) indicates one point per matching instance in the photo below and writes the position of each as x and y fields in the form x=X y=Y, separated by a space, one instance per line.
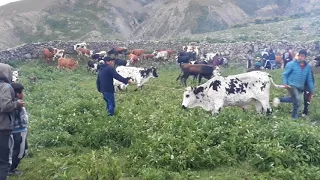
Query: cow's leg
x=200 y=77
x=217 y=107
x=266 y=107
x=184 y=79
x=258 y=106
x=245 y=108
x=139 y=85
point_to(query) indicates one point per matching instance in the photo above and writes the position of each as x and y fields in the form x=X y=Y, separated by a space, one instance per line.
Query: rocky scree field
x=152 y=137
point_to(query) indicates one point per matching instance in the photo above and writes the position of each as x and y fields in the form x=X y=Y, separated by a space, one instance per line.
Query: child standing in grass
x=19 y=132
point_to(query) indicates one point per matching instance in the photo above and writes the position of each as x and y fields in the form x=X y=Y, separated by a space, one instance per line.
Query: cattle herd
x=237 y=90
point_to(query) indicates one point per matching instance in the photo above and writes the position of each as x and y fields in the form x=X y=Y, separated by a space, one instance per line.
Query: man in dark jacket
x=7 y=107
x=286 y=57
x=105 y=83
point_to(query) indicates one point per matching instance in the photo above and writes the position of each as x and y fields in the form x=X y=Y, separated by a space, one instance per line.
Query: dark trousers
x=110 y=102
x=306 y=103
x=20 y=148
x=6 y=145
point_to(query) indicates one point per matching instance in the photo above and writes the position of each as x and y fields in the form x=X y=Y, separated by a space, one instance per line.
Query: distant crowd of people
x=269 y=59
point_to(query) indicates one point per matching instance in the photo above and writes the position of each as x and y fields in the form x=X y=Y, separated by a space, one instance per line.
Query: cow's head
x=192 y=97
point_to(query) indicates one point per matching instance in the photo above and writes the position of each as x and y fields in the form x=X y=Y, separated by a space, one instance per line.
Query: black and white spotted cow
x=236 y=90
x=140 y=76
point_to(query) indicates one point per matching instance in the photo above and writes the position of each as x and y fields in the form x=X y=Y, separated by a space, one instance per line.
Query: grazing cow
x=161 y=55
x=140 y=76
x=147 y=56
x=236 y=90
x=85 y=52
x=50 y=54
x=133 y=58
x=81 y=45
x=201 y=70
x=117 y=50
x=137 y=52
x=67 y=63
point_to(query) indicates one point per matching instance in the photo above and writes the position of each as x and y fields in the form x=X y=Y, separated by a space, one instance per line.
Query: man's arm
x=310 y=80
x=6 y=102
x=119 y=77
x=285 y=74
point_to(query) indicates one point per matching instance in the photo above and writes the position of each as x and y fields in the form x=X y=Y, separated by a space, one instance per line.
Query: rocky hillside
x=94 y=20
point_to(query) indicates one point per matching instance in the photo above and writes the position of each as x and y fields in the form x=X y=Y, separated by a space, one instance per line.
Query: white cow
x=236 y=90
x=15 y=76
x=161 y=55
x=209 y=56
x=139 y=76
x=82 y=45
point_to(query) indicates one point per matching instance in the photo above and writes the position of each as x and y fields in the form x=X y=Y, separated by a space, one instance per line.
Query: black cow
x=120 y=62
x=192 y=55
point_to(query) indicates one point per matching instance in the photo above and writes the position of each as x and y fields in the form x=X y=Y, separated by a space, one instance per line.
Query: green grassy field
x=152 y=137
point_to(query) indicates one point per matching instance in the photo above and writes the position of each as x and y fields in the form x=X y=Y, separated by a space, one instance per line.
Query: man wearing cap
x=105 y=83
x=296 y=76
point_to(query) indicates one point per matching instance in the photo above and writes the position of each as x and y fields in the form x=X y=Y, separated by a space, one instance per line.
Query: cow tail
x=275 y=85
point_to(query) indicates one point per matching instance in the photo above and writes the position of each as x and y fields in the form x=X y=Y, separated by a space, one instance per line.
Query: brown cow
x=197 y=70
x=85 y=52
x=147 y=56
x=133 y=58
x=137 y=52
x=50 y=54
x=67 y=63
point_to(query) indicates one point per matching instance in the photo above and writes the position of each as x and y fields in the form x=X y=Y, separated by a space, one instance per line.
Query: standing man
x=105 y=83
x=296 y=75
x=286 y=57
x=7 y=108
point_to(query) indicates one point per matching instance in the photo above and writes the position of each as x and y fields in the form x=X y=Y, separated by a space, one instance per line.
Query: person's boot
x=15 y=172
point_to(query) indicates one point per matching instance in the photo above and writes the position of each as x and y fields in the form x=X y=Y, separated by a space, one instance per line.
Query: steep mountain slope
x=94 y=20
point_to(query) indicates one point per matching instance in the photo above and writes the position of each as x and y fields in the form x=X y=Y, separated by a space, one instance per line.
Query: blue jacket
x=105 y=79
x=295 y=76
